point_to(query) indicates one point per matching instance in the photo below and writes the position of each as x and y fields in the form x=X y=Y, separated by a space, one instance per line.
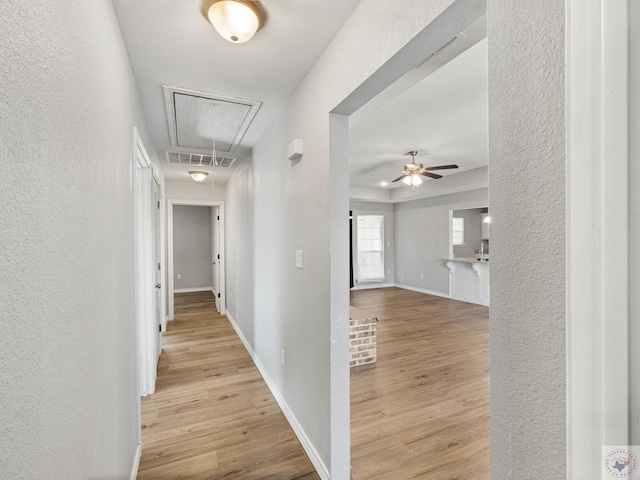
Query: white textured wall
x=192 y=247
x=68 y=388
x=191 y=190
x=291 y=210
x=527 y=201
x=422 y=238
x=385 y=209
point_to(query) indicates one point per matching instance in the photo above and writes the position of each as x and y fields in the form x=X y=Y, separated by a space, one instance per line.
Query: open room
x=419 y=255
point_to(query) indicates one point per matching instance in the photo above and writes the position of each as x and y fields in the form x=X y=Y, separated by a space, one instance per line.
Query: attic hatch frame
x=170 y=93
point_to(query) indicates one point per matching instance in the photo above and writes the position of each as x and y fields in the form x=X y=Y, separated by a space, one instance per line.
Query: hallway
x=212 y=416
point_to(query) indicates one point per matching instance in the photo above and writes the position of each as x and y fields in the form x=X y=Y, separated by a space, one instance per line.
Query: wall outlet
x=299 y=263
x=283 y=358
x=179 y=276
x=422 y=275
x=388 y=272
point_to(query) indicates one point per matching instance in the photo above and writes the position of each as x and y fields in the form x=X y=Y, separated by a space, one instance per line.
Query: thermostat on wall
x=294 y=150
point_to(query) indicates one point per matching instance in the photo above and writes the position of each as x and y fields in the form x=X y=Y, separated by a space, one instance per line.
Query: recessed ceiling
x=444 y=116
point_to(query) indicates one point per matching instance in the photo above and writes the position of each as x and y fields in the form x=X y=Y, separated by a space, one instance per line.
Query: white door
x=157 y=262
x=215 y=256
x=144 y=214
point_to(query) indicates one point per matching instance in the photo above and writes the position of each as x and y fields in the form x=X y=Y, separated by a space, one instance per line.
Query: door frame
x=598 y=225
x=145 y=308
x=215 y=251
x=170 y=282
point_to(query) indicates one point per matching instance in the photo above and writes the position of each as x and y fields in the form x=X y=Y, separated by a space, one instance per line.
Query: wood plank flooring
x=212 y=416
x=422 y=411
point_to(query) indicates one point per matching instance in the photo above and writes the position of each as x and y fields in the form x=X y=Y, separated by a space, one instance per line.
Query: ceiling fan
x=413 y=170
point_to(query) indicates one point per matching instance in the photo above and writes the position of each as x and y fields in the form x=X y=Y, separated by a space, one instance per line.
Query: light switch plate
x=299 y=262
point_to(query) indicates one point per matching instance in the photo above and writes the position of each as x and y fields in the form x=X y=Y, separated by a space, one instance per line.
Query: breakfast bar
x=469 y=279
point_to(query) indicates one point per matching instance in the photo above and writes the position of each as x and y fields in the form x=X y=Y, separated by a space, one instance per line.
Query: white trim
x=136 y=463
x=192 y=290
x=423 y=290
x=145 y=312
x=169 y=102
x=306 y=443
x=597 y=113
x=170 y=282
x=370 y=286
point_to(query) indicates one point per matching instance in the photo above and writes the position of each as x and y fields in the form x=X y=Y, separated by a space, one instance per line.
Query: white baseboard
x=192 y=290
x=368 y=286
x=308 y=447
x=136 y=463
x=477 y=301
x=423 y=290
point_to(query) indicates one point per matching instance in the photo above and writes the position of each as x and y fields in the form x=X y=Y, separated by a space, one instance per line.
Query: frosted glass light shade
x=412 y=180
x=198 y=176
x=235 y=20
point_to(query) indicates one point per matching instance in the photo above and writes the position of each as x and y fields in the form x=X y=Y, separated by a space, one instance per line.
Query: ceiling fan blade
x=400 y=177
x=441 y=167
x=432 y=175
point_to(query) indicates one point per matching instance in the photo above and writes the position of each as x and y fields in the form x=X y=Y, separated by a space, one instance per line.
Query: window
x=370 y=248
x=458 y=231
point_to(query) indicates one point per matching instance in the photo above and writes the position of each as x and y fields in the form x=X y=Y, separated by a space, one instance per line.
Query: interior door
x=215 y=255
x=157 y=256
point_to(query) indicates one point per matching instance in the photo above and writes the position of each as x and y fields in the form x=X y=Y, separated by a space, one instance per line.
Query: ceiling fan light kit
x=412 y=180
x=236 y=21
x=413 y=170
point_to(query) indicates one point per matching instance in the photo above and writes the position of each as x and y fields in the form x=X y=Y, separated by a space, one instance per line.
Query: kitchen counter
x=466 y=260
x=468 y=279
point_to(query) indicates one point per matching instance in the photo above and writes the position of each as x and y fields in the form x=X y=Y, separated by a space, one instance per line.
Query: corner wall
x=68 y=105
x=192 y=243
x=422 y=239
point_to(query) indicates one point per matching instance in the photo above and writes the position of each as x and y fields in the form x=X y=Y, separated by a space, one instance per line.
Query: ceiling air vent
x=196 y=159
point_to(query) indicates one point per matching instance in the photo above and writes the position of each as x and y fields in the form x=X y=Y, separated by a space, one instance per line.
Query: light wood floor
x=212 y=416
x=422 y=411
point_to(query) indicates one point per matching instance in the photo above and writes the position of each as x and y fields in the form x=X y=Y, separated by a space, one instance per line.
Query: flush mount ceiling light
x=236 y=20
x=198 y=175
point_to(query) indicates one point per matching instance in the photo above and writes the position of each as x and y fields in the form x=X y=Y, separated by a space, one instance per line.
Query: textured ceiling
x=441 y=111
x=170 y=42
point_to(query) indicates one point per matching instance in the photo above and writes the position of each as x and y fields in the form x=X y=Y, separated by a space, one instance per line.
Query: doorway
x=148 y=269
x=217 y=263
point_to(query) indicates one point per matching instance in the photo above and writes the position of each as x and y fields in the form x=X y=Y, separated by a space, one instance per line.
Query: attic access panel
x=195 y=117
